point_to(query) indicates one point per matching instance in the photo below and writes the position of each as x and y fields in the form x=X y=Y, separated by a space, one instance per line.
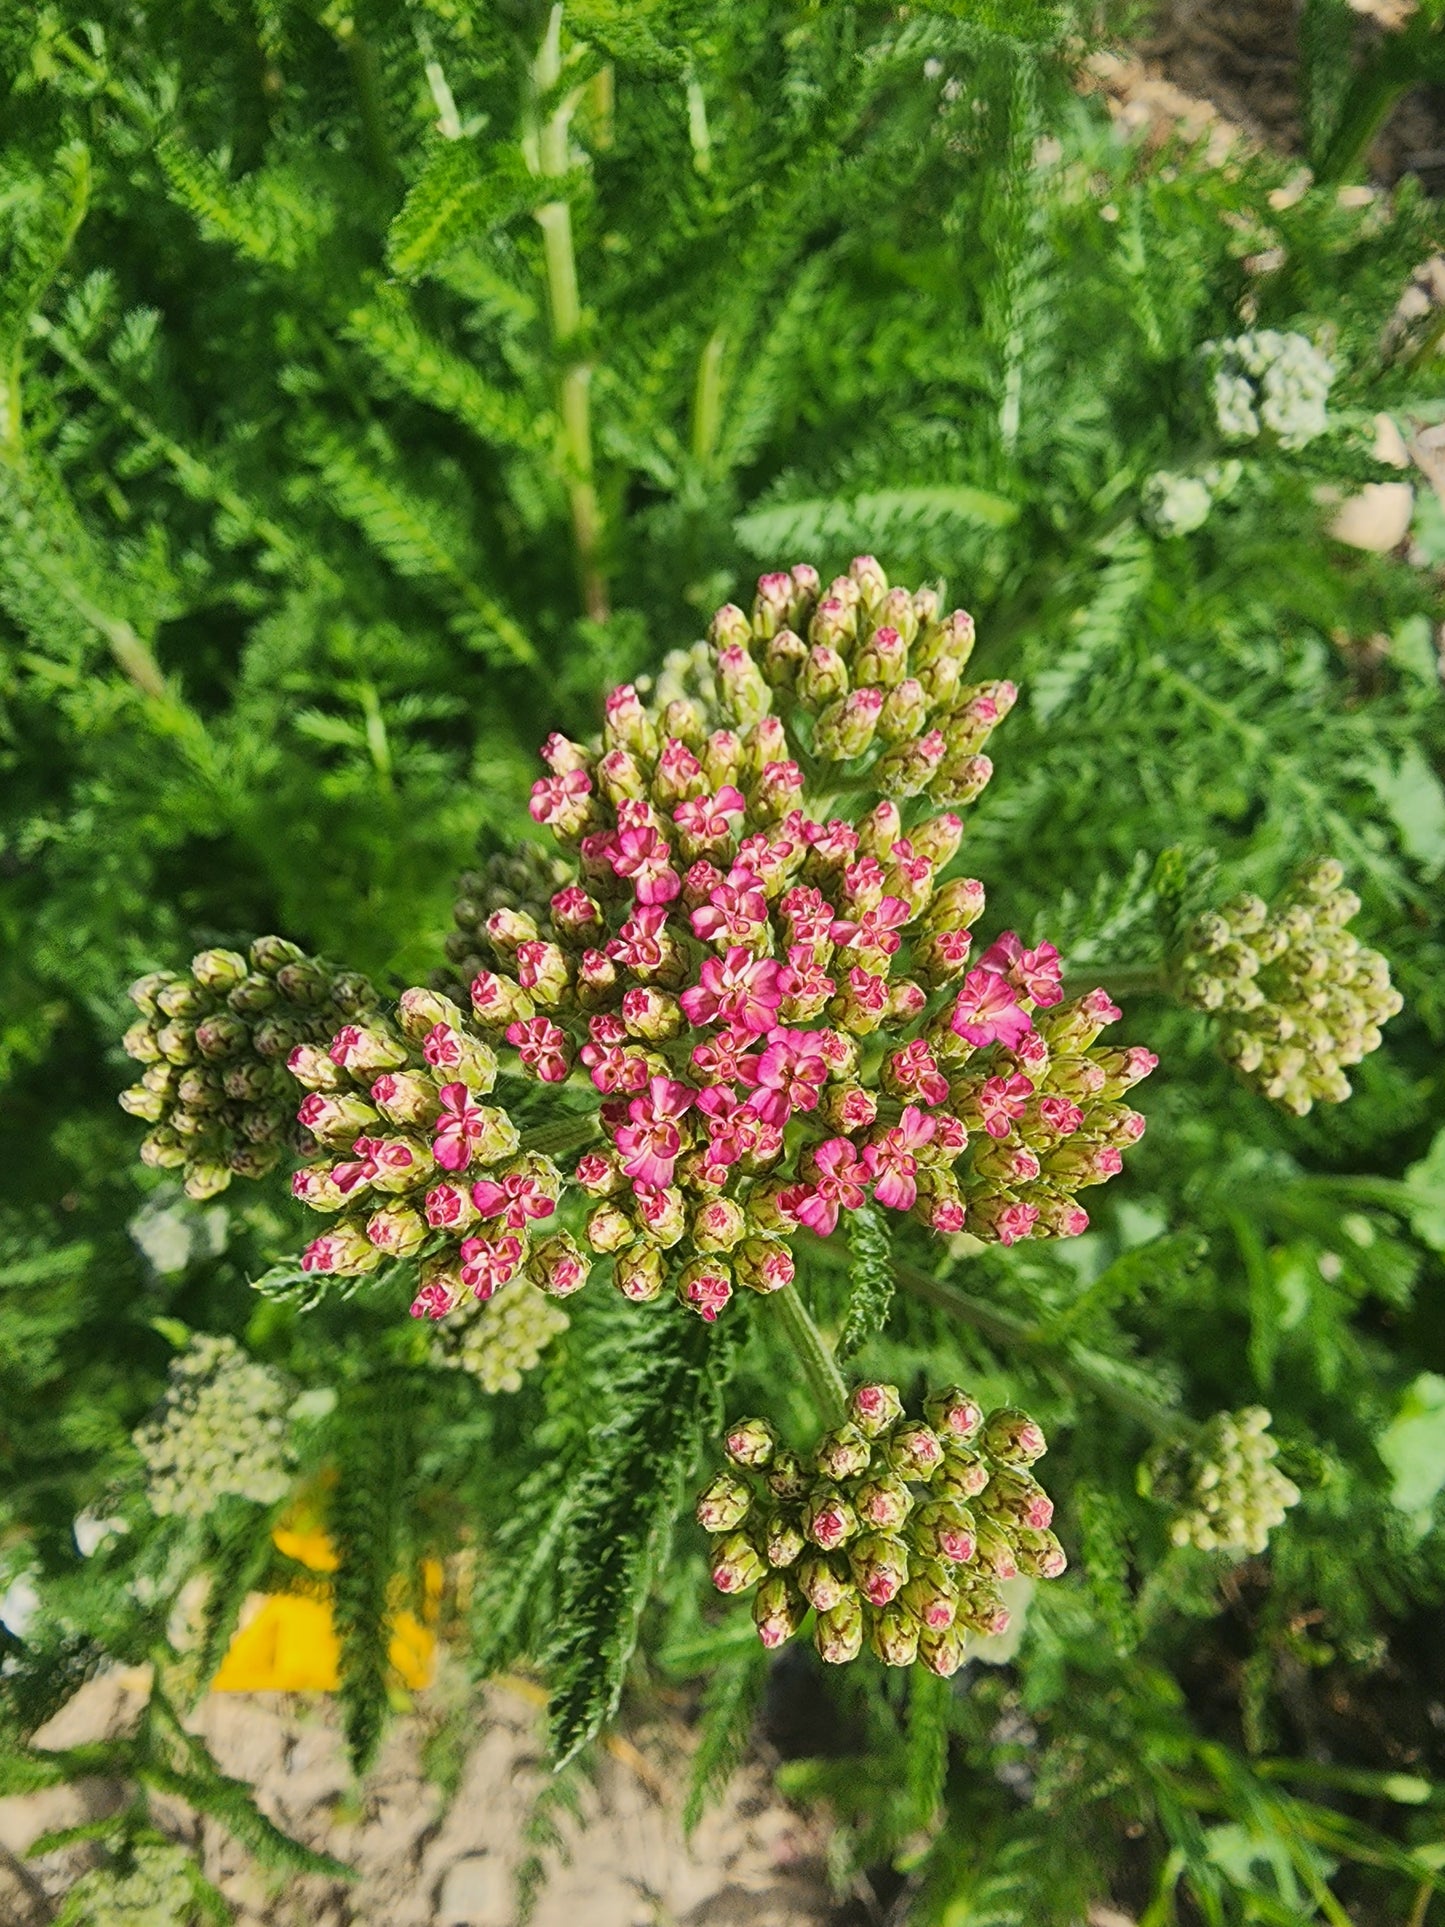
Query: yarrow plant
x=1224 y=1490
x=758 y=995
x=221 y=1431
x=1269 y=383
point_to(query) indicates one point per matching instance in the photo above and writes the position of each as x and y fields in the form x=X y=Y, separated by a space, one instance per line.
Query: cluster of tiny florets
x=221 y=1432
x=500 y=1340
x=758 y=963
x=1271 y=383
x=215 y=1043
x=155 y=1887
x=1225 y=1492
x=893 y=1532
x=1301 y=997
x=1178 y=504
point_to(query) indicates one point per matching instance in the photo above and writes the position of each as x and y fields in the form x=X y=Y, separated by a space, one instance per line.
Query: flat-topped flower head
x=747 y=991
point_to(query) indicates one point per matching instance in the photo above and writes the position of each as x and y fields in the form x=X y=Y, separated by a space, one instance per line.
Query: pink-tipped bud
x=314 y=1069
x=778 y=789
x=875 y=1408
x=729 y=627
x=882 y=659
x=822 y=676
x=705 y=1286
x=997 y=1218
x=953 y=1414
x=718 y=1225
x=883 y=1503
x=763 y=1265
x=723 y=1503
x=335 y=1120
x=558 y=1266
x=419 y=1010
x=639 y=1272
x=908 y=768
x=962 y=779
x=829 y=1521
x=406 y=1098
x=449 y=1207
x=779 y=1609
x=314 y=1185
x=1013 y=1438
x=943 y=1529
x=904 y=713
x=346 y=1251
x=783 y=656
x=847 y=727
x=498 y=1002
x=913 y=1451
x=396 y=1230
x=736 y=1567
x=626 y=724
x=742 y=692
x=879 y=1565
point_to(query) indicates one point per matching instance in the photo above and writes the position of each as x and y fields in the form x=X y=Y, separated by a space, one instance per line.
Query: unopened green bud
x=875 y=1408
x=828 y=1519
x=942 y=1650
x=779 y=1609
x=639 y=1271
x=883 y=1503
x=894 y=1636
x=723 y=1504
x=913 y=1451
x=1013 y=1437
x=838 y=1632
x=751 y=1442
x=823 y=1580
x=842 y=1453
x=787 y=1478
x=783 y=1540
x=878 y=1562
x=954 y=1415
x=736 y=1567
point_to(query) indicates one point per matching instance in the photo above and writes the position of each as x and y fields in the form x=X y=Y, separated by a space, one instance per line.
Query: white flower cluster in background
x=1266 y=382
x=221 y=1431
x=501 y=1339
x=1175 y=504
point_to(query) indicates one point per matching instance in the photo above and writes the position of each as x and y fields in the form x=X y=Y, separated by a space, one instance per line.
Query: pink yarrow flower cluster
x=764 y=1012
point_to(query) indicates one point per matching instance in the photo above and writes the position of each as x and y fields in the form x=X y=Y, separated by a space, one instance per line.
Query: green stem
x=815 y=1354
x=1008 y=1330
x=1121 y=980
x=547 y=146
x=555 y=1140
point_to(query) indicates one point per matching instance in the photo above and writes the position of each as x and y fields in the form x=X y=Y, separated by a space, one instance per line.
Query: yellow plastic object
x=290 y=1643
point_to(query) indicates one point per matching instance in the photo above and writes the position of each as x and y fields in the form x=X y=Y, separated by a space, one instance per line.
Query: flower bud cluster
x=1271 y=383
x=415 y=1163
x=1225 y=1490
x=155 y=1887
x=500 y=1340
x=779 y=1003
x=523 y=880
x=221 y=1431
x=1301 y=996
x=214 y=1044
x=893 y=1532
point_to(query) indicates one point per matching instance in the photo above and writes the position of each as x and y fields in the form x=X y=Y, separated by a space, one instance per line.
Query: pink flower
x=863 y=883
x=515 y=1198
x=561 y=755
x=721 y=1059
x=868 y=992
x=988 y=1012
x=790 y=1076
x=446 y=1207
x=642 y=942
x=833 y=843
x=1060 y=1115
x=614 y=1068
x=1033 y=973
x=771 y=858
x=462 y=1124
x=560 y=802
x=810 y=916
x=574 y=913
x=488 y=1263
x=707 y=822
x=594 y=1172
x=377 y=1157
x=707 y=1289
x=739 y=988
x=877 y=929
x=1001 y=1100
x=651 y=1142
x=805 y=984
x=432 y=1301
x=836 y=1186
x=542 y=1047
x=891 y=1162
x=443 y=1047
x=644 y=856
x=914 y=1070
x=735 y=912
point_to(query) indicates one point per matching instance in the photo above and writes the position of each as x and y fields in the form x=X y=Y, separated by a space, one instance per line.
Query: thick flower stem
x=1007 y=1330
x=567 y=1134
x=548 y=152
x=815 y=1354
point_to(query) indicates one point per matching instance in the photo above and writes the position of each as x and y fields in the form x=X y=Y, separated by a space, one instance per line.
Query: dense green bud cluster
x=1225 y=1490
x=523 y=879
x=156 y=1888
x=1271 y=383
x=215 y=1044
x=500 y=1339
x=892 y=1532
x=1301 y=996
x=221 y=1431
x=1178 y=504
